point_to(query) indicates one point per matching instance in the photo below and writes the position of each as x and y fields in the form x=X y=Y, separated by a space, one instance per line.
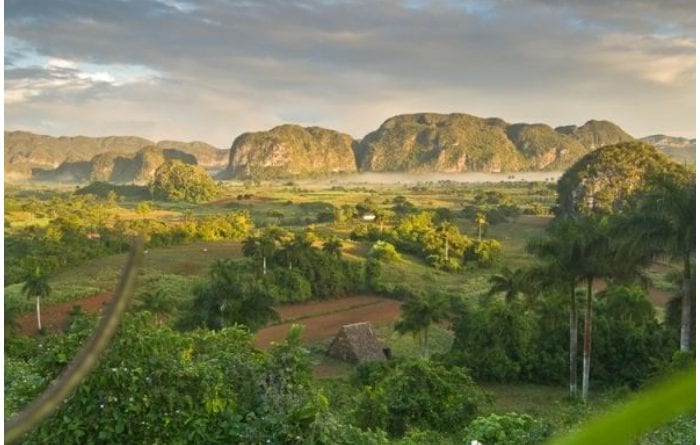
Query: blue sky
x=211 y=69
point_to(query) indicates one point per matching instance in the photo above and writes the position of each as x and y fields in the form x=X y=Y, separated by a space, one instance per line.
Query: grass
x=539 y=400
x=414 y=273
x=439 y=341
x=187 y=260
x=60 y=293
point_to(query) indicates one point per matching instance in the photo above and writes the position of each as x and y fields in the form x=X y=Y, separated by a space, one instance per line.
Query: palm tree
x=580 y=250
x=418 y=313
x=480 y=220
x=159 y=302
x=259 y=247
x=663 y=222
x=36 y=285
x=508 y=282
x=382 y=216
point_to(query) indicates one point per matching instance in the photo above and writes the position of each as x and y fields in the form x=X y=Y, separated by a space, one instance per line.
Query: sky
x=210 y=70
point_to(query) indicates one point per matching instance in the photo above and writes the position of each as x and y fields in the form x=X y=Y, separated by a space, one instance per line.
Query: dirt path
x=55 y=316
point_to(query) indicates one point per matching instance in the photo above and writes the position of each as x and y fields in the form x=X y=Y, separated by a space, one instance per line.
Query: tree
x=36 y=285
x=417 y=394
x=232 y=297
x=158 y=302
x=564 y=259
x=418 y=313
x=444 y=231
x=177 y=181
x=508 y=282
x=480 y=220
x=384 y=251
x=579 y=250
x=334 y=246
x=381 y=217
x=663 y=221
x=260 y=247
x=143 y=208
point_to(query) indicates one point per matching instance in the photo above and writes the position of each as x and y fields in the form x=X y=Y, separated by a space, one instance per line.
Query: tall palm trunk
x=264 y=265
x=686 y=307
x=447 y=250
x=573 y=343
x=38 y=313
x=587 y=331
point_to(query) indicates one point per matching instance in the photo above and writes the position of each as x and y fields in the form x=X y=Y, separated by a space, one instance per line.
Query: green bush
x=383 y=251
x=154 y=385
x=507 y=429
x=417 y=393
x=493 y=341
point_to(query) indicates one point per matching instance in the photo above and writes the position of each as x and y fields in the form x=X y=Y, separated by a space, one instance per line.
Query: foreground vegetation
x=497 y=292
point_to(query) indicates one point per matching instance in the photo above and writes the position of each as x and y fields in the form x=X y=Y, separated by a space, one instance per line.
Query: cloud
x=212 y=69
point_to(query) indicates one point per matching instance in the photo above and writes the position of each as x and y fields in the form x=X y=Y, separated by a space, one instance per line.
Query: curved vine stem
x=86 y=360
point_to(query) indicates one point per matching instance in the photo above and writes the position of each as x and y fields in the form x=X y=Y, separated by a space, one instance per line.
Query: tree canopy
x=177 y=181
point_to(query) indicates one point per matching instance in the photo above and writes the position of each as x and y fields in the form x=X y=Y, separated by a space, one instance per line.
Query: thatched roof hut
x=355 y=343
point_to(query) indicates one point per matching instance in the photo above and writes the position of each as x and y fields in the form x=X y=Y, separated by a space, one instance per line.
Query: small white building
x=369 y=217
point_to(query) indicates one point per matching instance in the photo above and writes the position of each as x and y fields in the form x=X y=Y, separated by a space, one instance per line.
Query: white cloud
x=54 y=64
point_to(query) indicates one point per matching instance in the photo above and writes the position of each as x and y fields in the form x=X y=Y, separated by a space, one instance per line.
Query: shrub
x=384 y=251
x=417 y=393
x=507 y=429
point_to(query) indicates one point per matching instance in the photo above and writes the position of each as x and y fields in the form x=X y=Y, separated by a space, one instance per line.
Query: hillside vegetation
x=291 y=150
x=25 y=150
x=680 y=149
x=462 y=143
x=422 y=142
x=604 y=180
x=115 y=167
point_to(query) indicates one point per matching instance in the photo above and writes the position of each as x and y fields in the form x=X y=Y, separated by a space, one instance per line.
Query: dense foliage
x=499 y=342
x=505 y=328
x=507 y=429
x=605 y=180
x=176 y=181
x=81 y=227
x=418 y=394
x=157 y=386
x=440 y=242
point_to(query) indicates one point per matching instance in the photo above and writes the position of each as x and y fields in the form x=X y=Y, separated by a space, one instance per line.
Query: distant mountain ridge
x=25 y=151
x=462 y=143
x=680 y=149
x=420 y=142
x=114 y=166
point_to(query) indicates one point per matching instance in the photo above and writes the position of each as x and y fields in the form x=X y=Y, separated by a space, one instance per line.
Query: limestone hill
x=680 y=149
x=595 y=134
x=114 y=167
x=25 y=151
x=462 y=143
x=291 y=151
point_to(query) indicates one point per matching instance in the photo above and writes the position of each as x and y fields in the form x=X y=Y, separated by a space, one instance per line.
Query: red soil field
x=321 y=318
x=54 y=317
x=325 y=326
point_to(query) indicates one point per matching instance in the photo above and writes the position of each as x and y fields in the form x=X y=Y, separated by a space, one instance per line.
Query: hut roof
x=356 y=342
